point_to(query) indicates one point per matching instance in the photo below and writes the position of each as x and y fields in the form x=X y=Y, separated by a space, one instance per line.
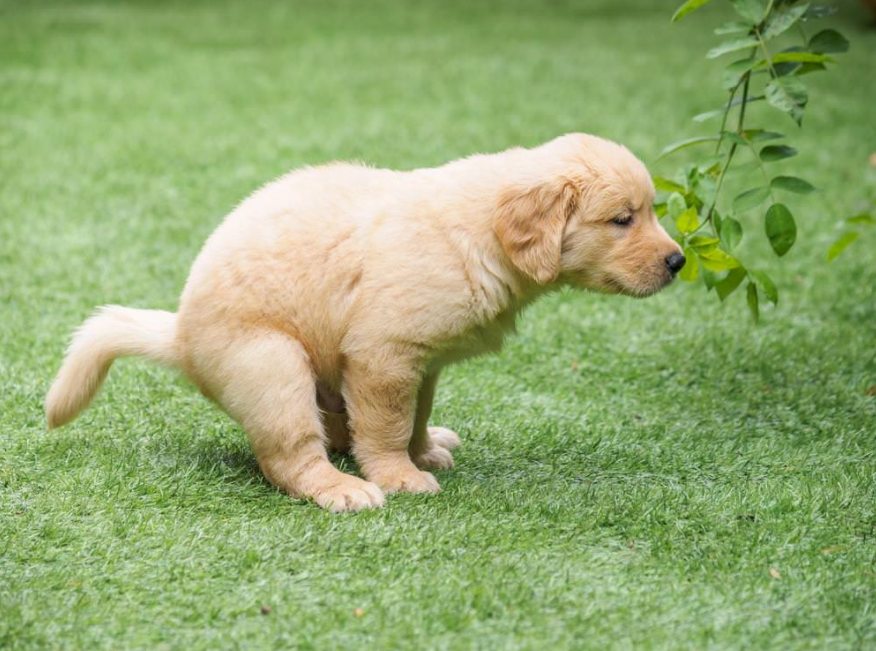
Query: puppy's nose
x=675 y=261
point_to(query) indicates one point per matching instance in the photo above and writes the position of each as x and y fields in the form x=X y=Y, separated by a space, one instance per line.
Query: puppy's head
x=582 y=213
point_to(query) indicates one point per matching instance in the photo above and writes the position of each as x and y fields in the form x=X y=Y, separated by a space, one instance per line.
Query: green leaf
x=752 y=302
x=718 y=260
x=711 y=166
x=792 y=184
x=806 y=68
x=781 y=230
x=798 y=61
x=745 y=168
x=829 y=41
x=710 y=278
x=750 y=10
x=730 y=282
x=734 y=27
x=682 y=144
x=731 y=46
x=708 y=115
x=675 y=205
x=766 y=285
x=733 y=73
x=734 y=138
x=788 y=94
x=665 y=185
x=705 y=189
x=757 y=135
x=819 y=11
x=688 y=7
x=782 y=19
x=691 y=268
x=841 y=245
x=861 y=220
x=801 y=57
x=731 y=233
x=785 y=69
x=750 y=199
x=703 y=243
x=688 y=221
x=702 y=117
x=772 y=153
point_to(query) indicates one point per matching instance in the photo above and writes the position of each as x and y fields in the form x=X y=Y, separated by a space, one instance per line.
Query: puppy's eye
x=623 y=220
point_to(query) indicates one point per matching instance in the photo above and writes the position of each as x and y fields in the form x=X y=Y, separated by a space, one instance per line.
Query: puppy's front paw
x=445 y=438
x=436 y=458
x=408 y=480
x=348 y=494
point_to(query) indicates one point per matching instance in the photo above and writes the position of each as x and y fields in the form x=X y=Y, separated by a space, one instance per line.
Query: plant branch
x=763 y=171
x=739 y=128
x=726 y=114
x=766 y=54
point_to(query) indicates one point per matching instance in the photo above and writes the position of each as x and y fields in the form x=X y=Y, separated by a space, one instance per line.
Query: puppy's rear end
x=111 y=333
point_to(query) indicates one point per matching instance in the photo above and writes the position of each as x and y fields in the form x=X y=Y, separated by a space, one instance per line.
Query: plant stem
x=763 y=171
x=802 y=33
x=726 y=114
x=739 y=128
x=767 y=57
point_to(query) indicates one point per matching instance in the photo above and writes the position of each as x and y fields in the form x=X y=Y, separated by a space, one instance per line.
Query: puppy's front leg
x=381 y=395
x=430 y=446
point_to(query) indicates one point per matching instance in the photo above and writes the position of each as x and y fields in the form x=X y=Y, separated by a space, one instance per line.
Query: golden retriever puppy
x=322 y=310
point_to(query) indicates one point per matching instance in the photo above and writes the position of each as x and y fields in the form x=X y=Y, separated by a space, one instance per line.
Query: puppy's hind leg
x=270 y=390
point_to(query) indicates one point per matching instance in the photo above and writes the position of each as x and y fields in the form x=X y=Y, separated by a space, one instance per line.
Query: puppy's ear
x=529 y=223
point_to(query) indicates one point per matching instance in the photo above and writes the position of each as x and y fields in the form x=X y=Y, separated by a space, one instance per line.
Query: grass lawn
x=655 y=474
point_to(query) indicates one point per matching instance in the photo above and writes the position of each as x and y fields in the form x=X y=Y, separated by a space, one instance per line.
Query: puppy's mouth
x=639 y=289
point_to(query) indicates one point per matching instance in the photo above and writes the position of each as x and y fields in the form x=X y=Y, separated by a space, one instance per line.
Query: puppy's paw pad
x=351 y=494
x=445 y=438
x=409 y=481
x=437 y=458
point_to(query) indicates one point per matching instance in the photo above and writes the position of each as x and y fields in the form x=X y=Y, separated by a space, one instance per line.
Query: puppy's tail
x=112 y=332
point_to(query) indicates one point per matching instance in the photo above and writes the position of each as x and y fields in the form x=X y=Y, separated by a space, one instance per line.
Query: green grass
x=637 y=498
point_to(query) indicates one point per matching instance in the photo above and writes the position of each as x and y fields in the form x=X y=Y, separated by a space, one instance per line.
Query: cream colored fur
x=322 y=310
